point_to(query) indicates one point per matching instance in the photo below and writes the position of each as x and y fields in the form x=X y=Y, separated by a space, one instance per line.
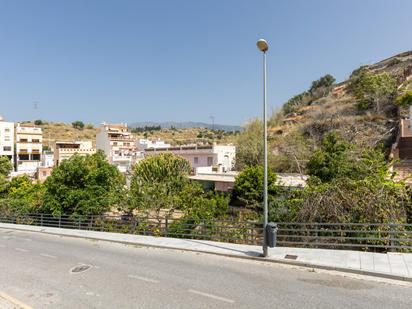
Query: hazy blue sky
x=182 y=60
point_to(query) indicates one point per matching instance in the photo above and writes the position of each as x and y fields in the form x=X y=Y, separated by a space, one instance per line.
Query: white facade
x=64 y=150
x=47 y=159
x=119 y=146
x=29 y=148
x=146 y=143
x=222 y=156
x=7 y=139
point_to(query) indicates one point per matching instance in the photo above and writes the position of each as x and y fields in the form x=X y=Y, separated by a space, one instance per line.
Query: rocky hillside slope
x=296 y=131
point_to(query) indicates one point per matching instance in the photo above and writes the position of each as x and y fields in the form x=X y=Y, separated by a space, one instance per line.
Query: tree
x=372 y=89
x=404 y=100
x=5 y=166
x=83 y=185
x=78 y=125
x=38 y=122
x=249 y=145
x=158 y=182
x=23 y=196
x=331 y=160
x=248 y=187
x=322 y=86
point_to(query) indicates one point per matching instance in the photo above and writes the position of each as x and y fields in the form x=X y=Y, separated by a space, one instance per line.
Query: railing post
x=391 y=237
x=60 y=221
x=41 y=220
x=166 y=227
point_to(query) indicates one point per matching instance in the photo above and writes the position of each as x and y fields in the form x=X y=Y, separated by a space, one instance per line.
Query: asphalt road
x=37 y=270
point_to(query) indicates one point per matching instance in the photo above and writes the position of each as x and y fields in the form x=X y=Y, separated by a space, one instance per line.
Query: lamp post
x=263 y=47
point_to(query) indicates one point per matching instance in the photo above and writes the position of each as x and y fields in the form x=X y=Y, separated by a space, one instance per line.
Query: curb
x=260 y=259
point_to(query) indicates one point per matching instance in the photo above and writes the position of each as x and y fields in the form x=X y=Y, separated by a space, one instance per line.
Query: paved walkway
x=391 y=265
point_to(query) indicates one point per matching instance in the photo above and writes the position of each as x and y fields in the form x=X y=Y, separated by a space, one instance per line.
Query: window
x=7 y=138
x=7 y=148
x=209 y=161
x=23 y=140
x=35 y=141
x=44 y=174
x=196 y=160
x=6 y=130
x=114 y=143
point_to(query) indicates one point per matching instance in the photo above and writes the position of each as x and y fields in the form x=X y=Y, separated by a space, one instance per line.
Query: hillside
x=296 y=131
x=58 y=131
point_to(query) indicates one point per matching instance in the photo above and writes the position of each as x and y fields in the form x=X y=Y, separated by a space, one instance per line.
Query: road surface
x=46 y=271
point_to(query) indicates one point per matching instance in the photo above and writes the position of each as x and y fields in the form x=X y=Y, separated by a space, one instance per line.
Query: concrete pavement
x=50 y=271
x=396 y=266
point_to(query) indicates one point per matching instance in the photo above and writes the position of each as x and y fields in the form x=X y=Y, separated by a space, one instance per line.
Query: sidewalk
x=396 y=266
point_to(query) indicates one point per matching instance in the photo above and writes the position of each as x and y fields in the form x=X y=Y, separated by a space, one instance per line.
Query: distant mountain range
x=185 y=125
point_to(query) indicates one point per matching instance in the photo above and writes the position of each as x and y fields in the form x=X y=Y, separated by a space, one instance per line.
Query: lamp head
x=262 y=45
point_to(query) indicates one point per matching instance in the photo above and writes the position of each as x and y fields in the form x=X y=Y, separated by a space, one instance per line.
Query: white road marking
x=212 y=296
x=21 y=250
x=143 y=278
x=14 y=301
x=48 y=255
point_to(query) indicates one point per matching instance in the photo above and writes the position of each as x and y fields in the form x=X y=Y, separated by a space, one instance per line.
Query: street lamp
x=263 y=47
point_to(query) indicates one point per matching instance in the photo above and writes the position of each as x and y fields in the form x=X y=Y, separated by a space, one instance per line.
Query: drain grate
x=80 y=269
x=291 y=257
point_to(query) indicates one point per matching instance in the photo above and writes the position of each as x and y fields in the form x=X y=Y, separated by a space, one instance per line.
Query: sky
x=182 y=60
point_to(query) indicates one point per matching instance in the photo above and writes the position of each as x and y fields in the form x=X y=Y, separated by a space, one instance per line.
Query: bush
x=248 y=187
x=38 y=122
x=78 y=125
x=404 y=100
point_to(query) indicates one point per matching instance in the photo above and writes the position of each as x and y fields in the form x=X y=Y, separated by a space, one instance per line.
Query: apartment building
x=29 y=147
x=119 y=145
x=222 y=156
x=7 y=139
x=64 y=150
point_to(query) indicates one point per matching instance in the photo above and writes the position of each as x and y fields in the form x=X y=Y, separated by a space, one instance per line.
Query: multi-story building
x=222 y=156
x=29 y=148
x=65 y=150
x=119 y=145
x=7 y=139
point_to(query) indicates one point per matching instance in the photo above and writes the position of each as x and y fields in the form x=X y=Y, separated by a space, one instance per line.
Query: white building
x=29 y=148
x=146 y=143
x=217 y=156
x=7 y=139
x=119 y=145
x=47 y=159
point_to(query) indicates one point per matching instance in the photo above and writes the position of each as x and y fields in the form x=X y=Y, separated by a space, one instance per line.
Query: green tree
x=158 y=182
x=83 y=186
x=372 y=89
x=38 y=122
x=78 y=125
x=248 y=187
x=404 y=100
x=249 y=145
x=5 y=166
x=331 y=160
x=23 y=196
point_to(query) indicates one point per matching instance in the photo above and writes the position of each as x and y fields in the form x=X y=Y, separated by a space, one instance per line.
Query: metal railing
x=380 y=237
x=351 y=236
x=217 y=230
